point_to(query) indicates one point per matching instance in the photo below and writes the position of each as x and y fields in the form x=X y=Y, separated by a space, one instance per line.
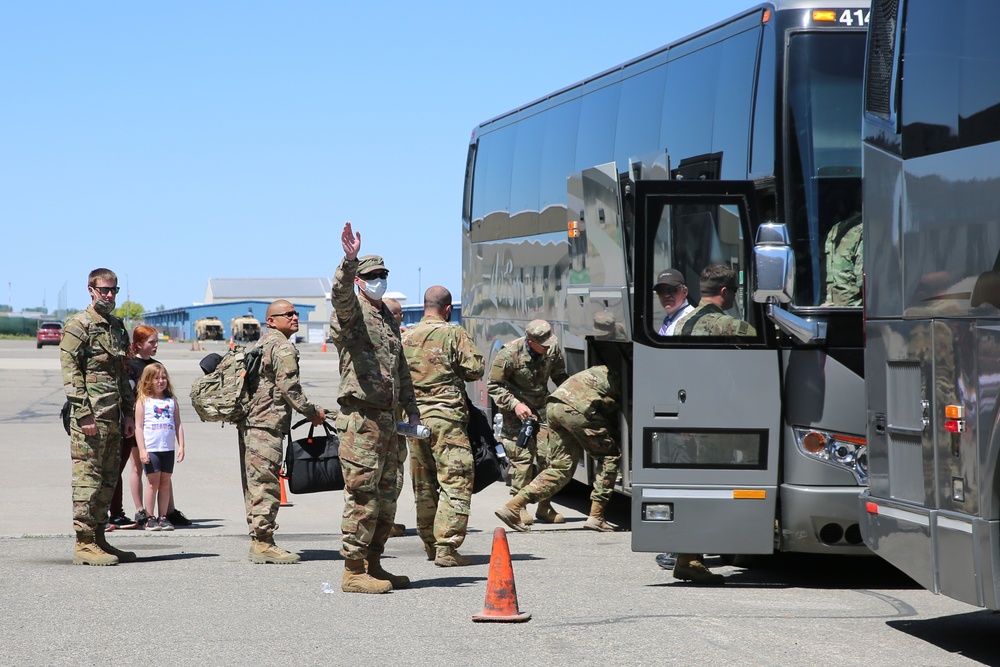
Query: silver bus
x=932 y=295
x=738 y=145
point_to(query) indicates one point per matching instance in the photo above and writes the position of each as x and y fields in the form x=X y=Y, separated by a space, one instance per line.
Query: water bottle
x=527 y=430
x=497 y=424
x=419 y=431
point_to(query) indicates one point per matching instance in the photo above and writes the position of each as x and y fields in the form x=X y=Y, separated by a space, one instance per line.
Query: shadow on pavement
x=808 y=571
x=972 y=635
x=167 y=557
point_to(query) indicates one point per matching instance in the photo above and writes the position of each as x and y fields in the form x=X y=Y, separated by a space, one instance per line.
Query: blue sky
x=177 y=142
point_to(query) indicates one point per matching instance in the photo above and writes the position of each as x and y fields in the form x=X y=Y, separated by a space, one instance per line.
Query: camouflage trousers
x=260 y=460
x=442 y=469
x=95 y=474
x=369 y=455
x=400 y=471
x=571 y=434
x=522 y=459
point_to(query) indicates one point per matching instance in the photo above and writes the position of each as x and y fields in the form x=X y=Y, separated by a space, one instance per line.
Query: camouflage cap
x=604 y=325
x=670 y=277
x=540 y=332
x=370 y=263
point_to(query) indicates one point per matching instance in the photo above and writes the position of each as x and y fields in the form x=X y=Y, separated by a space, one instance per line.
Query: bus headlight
x=837 y=448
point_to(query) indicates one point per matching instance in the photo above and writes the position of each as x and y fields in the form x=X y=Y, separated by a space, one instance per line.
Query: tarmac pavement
x=194 y=598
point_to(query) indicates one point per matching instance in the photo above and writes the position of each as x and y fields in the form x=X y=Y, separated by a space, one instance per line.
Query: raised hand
x=351 y=241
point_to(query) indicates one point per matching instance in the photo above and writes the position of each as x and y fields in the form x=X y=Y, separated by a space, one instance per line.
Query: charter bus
x=739 y=145
x=931 y=161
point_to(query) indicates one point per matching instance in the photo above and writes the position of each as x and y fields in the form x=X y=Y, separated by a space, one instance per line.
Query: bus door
x=597 y=303
x=706 y=398
x=597 y=291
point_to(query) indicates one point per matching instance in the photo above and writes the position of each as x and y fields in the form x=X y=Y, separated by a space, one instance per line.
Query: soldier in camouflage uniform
x=442 y=357
x=719 y=286
x=718 y=294
x=374 y=383
x=519 y=385
x=398 y=529
x=583 y=414
x=844 y=249
x=93 y=354
x=269 y=418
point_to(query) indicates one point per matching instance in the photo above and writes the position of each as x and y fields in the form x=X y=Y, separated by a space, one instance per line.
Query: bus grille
x=881 y=48
x=906 y=468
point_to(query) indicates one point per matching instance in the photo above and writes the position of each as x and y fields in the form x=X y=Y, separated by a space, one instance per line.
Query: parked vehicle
x=49 y=333
x=208 y=328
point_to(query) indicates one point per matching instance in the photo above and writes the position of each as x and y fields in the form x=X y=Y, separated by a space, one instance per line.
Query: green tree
x=129 y=310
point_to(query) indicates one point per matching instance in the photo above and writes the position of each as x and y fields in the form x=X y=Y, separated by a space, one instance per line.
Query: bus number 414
x=858 y=17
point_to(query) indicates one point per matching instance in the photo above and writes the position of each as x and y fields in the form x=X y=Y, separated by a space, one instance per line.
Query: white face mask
x=374 y=289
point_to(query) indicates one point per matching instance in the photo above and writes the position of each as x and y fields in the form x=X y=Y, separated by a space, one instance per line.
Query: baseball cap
x=541 y=332
x=670 y=277
x=370 y=263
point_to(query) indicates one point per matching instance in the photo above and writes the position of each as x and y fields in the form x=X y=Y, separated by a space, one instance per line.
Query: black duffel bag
x=490 y=467
x=312 y=464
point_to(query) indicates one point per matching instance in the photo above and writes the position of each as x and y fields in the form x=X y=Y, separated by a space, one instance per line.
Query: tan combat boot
x=546 y=514
x=266 y=551
x=375 y=571
x=356 y=580
x=101 y=541
x=513 y=512
x=690 y=568
x=449 y=557
x=398 y=530
x=526 y=517
x=87 y=552
x=596 y=519
x=430 y=550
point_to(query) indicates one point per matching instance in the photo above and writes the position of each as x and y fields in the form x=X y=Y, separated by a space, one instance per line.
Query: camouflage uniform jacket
x=442 y=357
x=708 y=319
x=596 y=394
x=844 y=248
x=518 y=377
x=373 y=370
x=93 y=353
x=278 y=388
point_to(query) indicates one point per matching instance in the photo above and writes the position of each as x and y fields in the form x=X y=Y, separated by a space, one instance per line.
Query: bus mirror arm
x=803 y=330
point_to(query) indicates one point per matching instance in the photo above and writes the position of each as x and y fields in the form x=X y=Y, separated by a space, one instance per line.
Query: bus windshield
x=823 y=157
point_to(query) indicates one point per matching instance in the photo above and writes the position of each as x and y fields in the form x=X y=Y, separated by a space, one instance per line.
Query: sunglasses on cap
x=374 y=275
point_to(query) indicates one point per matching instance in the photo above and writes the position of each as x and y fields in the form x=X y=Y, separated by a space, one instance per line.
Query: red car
x=49 y=333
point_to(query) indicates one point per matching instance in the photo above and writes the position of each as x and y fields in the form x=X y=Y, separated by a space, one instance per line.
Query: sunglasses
x=290 y=314
x=374 y=275
x=106 y=290
x=667 y=290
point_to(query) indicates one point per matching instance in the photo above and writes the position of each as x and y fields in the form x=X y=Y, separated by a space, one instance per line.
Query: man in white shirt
x=672 y=291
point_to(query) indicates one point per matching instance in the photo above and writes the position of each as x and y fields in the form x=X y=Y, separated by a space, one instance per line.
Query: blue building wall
x=178 y=323
x=412 y=312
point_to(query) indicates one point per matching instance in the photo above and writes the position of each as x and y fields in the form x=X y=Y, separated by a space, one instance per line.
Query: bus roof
x=775 y=5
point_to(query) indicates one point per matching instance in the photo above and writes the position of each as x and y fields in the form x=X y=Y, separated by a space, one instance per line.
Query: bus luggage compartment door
x=705 y=450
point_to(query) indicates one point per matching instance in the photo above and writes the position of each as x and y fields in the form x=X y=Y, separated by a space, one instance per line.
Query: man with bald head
x=442 y=357
x=269 y=418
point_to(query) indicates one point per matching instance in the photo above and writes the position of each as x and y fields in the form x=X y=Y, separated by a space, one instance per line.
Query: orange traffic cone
x=324 y=346
x=283 y=501
x=501 y=595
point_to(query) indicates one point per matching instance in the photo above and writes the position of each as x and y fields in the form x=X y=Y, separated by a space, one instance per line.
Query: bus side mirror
x=774 y=265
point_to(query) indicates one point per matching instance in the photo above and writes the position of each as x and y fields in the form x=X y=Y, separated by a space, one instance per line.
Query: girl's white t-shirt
x=158 y=424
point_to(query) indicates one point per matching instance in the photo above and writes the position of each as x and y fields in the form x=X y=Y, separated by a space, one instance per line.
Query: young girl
x=157 y=426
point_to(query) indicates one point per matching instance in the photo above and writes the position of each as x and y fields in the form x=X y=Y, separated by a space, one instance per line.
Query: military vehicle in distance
x=208 y=328
x=245 y=328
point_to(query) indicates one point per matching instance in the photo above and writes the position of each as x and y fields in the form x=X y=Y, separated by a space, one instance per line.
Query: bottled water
x=419 y=431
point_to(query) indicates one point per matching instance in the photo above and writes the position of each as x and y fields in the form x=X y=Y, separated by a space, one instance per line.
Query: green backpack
x=223 y=395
